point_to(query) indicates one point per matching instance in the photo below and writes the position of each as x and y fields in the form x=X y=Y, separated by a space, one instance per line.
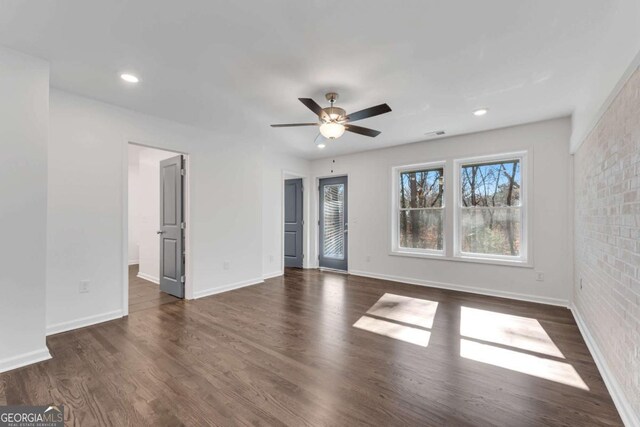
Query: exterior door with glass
x=333 y=223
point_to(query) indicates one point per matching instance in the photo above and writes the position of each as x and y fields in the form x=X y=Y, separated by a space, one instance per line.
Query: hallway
x=144 y=294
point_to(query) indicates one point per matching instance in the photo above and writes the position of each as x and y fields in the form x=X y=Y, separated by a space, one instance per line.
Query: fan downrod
x=331 y=97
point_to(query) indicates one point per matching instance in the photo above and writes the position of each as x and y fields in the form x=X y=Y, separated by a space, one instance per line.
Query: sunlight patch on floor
x=514 y=331
x=414 y=311
x=552 y=370
x=396 y=331
x=399 y=317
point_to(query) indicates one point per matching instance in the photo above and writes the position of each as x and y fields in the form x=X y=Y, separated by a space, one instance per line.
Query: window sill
x=400 y=252
x=507 y=263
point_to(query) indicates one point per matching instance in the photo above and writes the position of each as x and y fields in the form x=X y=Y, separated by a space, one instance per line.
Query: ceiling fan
x=334 y=121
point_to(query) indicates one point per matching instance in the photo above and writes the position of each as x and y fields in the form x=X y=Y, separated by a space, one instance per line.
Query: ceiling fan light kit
x=332 y=130
x=334 y=121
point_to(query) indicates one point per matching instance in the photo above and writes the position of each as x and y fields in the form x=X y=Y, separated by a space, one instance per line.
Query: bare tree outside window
x=490 y=220
x=421 y=217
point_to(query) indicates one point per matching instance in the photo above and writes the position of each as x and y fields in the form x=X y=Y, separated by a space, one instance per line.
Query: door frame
x=124 y=262
x=316 y=217
x=285 y=175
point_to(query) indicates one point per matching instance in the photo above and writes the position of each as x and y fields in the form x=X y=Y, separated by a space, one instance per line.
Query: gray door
x=333 y=223
x=171 y=227
x=293 y=223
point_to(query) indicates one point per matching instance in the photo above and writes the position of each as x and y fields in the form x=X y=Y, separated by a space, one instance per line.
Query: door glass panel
x=333 y=221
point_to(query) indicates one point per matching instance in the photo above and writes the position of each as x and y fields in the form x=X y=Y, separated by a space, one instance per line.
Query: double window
x=488 y=221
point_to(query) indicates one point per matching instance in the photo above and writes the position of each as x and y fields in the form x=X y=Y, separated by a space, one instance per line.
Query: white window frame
x=525 y=178
x=395 y=211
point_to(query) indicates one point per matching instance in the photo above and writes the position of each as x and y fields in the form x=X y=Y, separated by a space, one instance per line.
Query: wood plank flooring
x=286 y=353
x=144 y=294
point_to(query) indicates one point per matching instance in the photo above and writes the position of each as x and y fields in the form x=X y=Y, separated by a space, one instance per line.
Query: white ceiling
x=238 y=66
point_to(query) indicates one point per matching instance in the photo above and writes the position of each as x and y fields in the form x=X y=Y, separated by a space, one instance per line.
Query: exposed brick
x=607 y=236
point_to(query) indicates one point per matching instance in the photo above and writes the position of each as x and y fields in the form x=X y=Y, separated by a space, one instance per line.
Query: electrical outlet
x=270 y=258
x=226 y=265
x=539 y=276
x=83 y=288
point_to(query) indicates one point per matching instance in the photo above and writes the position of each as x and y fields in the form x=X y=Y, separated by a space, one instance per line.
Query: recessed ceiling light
x=321 y=146
x=130 y=78
x=480 y=111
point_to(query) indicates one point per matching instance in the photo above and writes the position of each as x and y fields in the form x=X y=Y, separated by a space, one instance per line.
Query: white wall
x=134 y=215
x=369 y=212
x=278 y=167
x=24 y=117
x=87 y=218
x=617 y=55
x=149 y=211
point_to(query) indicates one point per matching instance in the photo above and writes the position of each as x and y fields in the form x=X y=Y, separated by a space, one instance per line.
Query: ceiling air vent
x=435 y=133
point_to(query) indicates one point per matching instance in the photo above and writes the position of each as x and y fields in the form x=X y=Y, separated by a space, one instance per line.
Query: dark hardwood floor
x=144 y=294
x=287 y=353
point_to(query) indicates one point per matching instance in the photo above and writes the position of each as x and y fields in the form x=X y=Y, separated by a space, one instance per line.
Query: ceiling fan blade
x=362 y=131
x=313 y=106
x=290 y=125
x=368 y=112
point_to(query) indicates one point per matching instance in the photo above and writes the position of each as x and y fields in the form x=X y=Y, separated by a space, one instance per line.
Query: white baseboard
x=629 y=417
x=272 y=275
x=226 y=288
x=464 y=288
x=149 y=278
x=134 y=262
x=24 y=359
x=83 y=321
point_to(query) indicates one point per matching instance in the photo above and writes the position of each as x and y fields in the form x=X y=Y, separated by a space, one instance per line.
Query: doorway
x=156 y=227
x=333 y=226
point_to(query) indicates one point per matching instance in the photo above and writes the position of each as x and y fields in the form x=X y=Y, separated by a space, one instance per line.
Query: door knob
x=159 y=232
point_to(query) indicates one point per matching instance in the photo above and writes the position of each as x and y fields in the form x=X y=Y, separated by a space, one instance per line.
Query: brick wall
x=607 y=237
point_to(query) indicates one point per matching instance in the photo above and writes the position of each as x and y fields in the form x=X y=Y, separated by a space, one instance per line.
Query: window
x=488 y=222
x=419 y=209
x=490 y=214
